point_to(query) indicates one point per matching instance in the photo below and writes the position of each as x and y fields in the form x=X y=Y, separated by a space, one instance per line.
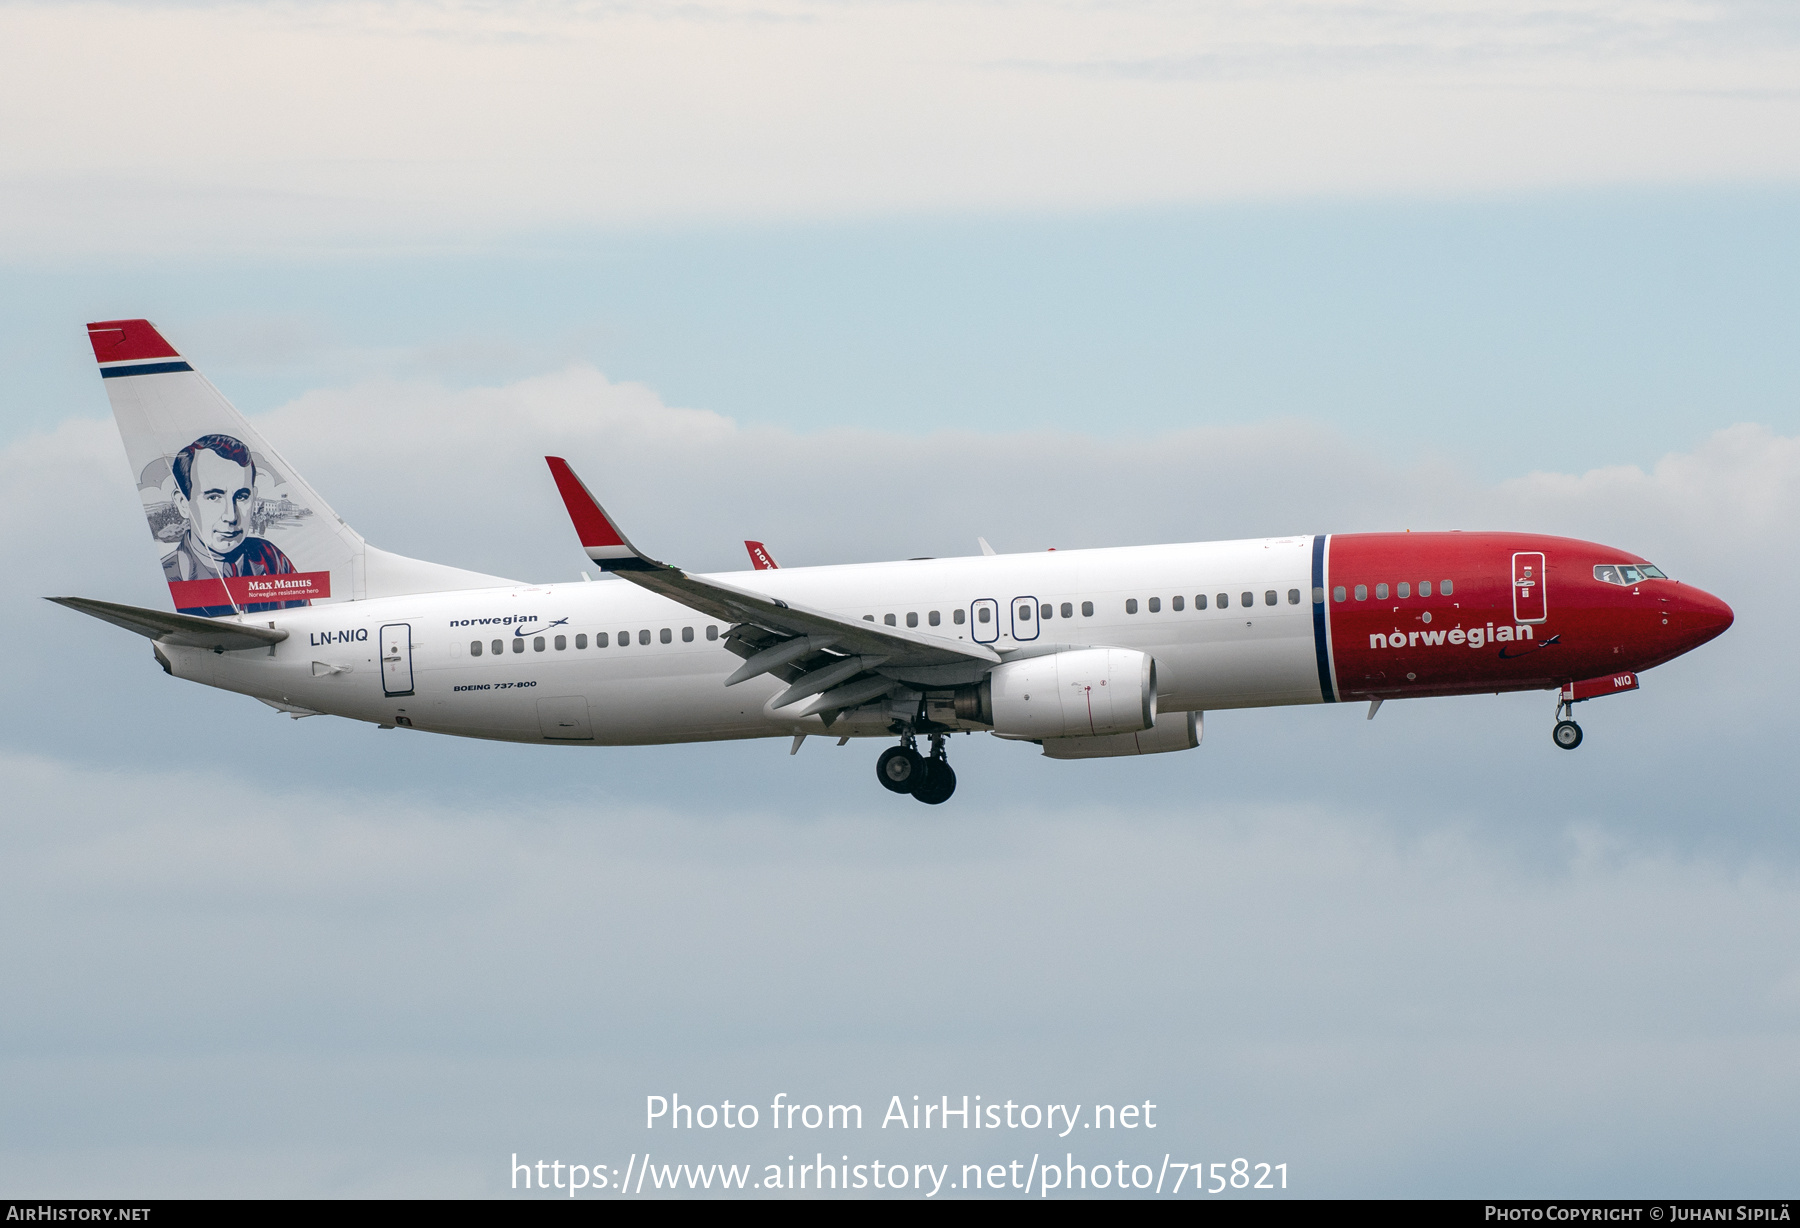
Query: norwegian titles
x=1473 y=637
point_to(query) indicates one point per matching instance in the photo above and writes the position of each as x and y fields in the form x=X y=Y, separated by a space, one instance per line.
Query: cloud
x=310 y=127
x=397 y=995
x=1426 y=954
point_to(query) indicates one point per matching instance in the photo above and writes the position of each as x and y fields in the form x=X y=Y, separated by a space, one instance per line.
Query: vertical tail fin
x=236 y=528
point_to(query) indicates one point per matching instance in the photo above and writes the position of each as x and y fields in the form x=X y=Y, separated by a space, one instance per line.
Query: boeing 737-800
x=1084 y=653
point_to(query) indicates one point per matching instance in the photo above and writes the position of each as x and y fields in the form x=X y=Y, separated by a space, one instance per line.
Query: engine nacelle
x=1174 y=731
x=1085 y=692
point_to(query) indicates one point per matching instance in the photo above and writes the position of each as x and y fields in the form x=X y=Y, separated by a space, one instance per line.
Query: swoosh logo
x=521 y=631
x=1514 y=656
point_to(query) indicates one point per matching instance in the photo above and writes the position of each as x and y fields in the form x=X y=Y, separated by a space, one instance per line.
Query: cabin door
x=984 y=620
x=396 y=659
x=1024 y=618
x=1530 y=604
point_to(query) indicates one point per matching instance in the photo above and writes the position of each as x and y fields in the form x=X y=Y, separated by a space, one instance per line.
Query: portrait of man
x=215 y=493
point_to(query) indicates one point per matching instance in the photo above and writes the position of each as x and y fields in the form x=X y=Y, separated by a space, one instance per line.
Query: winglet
x=600 y=537
x=760 y=558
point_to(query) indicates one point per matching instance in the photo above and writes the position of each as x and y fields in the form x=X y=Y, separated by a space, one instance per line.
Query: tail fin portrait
x=236 y=529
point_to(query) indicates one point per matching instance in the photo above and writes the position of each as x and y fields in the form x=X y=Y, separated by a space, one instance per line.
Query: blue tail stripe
x=148 y=368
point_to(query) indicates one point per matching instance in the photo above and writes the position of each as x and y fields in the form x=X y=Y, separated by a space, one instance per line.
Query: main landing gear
x=1567 y=733
x=902 y=769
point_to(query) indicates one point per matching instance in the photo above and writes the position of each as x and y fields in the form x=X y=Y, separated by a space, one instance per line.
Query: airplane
x=1084 y=653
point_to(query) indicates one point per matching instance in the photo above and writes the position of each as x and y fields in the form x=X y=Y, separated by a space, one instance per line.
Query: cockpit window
x=1627 y=573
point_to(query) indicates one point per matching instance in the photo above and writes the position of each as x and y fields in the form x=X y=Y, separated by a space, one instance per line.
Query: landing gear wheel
x=937 y=784
x=900 y=769
x=1567 y=735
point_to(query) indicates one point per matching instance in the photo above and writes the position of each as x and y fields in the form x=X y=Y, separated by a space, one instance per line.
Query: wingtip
x=598 y=534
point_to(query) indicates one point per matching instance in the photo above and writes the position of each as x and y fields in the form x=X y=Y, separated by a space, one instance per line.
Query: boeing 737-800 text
x=1086 y=653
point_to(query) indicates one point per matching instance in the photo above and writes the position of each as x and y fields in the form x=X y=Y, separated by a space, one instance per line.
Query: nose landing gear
x=1567 y=733
x=902 y=769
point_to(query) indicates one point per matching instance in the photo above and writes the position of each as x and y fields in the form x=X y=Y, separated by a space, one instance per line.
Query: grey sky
x=1428 y=954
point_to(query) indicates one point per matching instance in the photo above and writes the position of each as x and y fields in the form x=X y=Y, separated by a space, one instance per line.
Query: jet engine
x=1084 y=692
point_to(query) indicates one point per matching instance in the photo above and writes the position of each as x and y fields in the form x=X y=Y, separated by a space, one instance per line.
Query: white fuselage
x=671 y=688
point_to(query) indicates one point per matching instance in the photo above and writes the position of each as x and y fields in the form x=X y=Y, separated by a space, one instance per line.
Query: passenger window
x=1381 y=592
x=1337 y=594
x=1424 y=588
x=933 y=618
x=1362 y=592
x=1249 y=599
x=581 y=640
x=1087 y=609
x=643 y=637
x=956 y=616
x=1269 y=597
x=868 y=618
x=687 y=635
x=1045 y=611
x=537 y=644
x=601 y=640
x=712 y=632
x=981 y=615
x=474 y=648
x=518 y=644
x=912 y=618
x=1294 y=596
x=562 y=643
x=1224 y=601
x=1405 y=589
x=1131 y=605
x=1446 y=588
x=1156 y=605
x=1024 y=613
x=1176 y=604
x=1068 y=610
x=499 y=646
x=888 y=619
x=624 y=639
x=1199 y=601
x=665 y=637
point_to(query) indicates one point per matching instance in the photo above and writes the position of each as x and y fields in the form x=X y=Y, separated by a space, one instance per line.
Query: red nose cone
x=1703 y=616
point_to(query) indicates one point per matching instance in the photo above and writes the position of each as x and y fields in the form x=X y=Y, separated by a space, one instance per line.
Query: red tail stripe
x=124 y=340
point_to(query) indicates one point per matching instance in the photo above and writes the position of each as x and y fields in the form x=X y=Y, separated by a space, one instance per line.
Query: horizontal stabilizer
x=181 y=630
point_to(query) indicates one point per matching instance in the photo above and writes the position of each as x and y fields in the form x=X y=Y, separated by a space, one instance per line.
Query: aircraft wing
x=895 y=651
x=183 y=630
